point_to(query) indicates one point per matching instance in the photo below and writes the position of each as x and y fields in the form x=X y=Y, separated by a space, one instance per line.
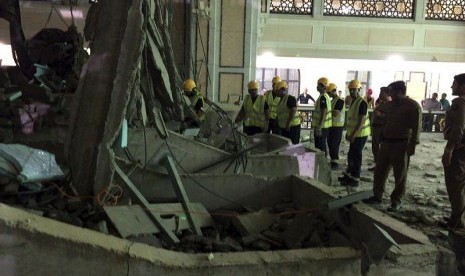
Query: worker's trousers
x=455 y=183
x=334 y=141
x=392 y=154
x=376 y=135
x=320 y=141
x=354 y=157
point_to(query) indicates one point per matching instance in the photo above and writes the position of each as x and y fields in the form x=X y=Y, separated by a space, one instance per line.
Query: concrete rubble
x=153 y=200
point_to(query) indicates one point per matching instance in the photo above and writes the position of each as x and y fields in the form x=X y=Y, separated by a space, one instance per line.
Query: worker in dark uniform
x=254 y=111
x=378 y=121
x=338 y=111
x=453 y=158
x=273 y=100
x=358 y=130
x=321 y=118
x=401 y=134
x=288 y=117
x=196 y=98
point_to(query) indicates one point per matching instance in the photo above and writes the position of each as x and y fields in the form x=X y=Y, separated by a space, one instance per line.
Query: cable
x=59 y=15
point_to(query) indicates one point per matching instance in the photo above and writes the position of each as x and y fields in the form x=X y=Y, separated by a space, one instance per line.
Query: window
x=291 y=6
x=290 y=76
x=445 y=10
x=370 y=8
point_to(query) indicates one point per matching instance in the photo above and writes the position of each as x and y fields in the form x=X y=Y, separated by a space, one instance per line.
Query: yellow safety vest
x=318 y=112
x=339 y=120
x=198 y=97
x=254 y=112
x=353 y=116
x=272 y=104
x=283 y=114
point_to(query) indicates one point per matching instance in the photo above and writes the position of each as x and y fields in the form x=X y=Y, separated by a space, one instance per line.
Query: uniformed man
x=254 y=111
x=358 y=130
x=378 y=121
x=338 y=111
x=197 y=103
x=321 y=118
x=288 y=117
x=273 y=100
x=453 y=158
x=401 y=134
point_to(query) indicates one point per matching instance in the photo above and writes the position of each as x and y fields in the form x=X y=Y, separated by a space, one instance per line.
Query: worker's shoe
x=372 y=169
x=343 y=178
x=372 y=200
x=334 y=165
x=395 y=206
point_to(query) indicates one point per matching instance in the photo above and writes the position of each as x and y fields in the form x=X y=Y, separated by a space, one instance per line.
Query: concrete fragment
x=253 y=223
x=349 y=199
x=379 y=244
x=297 y=231
x=148 y=239
x=431 y=175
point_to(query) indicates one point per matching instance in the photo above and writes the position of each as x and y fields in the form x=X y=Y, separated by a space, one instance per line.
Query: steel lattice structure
x=445 y=10
x=291 y=6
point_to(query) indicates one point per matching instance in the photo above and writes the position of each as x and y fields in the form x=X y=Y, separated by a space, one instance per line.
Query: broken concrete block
x=297 y=231
x=431 y=175
x=253 y=223
x=151 y=240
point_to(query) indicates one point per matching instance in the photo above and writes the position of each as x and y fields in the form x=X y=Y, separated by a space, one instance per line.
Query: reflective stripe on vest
x=317 y=113
x=283 y=114
x=254 y=112
x=272 y=104
x=194 y=100
x=339 y=120
x=352 y=119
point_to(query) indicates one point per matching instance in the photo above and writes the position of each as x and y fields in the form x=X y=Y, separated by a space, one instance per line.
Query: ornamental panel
x=373 y=8
x=291 y=6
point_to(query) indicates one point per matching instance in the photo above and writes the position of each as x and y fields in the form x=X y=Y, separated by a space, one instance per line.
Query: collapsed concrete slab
x=194 y=157
x=40 y=245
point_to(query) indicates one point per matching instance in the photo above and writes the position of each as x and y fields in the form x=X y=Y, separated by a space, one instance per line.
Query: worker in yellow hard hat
x=254 y=111
x=338 y=111
x=273 y=100
x=288 y=117
x=197 y=102
x=358 y=130
x=321 y=118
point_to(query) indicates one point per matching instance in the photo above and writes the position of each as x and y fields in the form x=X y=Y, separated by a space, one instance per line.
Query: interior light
x=267 y=54
x=395 y=58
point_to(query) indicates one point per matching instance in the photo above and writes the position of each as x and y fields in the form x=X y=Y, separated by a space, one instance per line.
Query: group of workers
x=395 y=128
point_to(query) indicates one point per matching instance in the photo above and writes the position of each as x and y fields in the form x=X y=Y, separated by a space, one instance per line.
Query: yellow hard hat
x=276 y=79
x=252 y=85
x=331 y=87
x=189 y=84
x=354 y=84
x=280 y=85
x=323 y=81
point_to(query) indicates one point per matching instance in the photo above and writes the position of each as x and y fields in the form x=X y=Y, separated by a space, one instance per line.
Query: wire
x=195 y=181
x=59 y=15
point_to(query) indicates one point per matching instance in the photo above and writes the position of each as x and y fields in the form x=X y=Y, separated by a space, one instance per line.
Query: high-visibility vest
x=283 y=114
x=318 y=112
x=198 y=97
x=272 y=104
x=254 y=112
x=353 y=116
x=338 y=121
